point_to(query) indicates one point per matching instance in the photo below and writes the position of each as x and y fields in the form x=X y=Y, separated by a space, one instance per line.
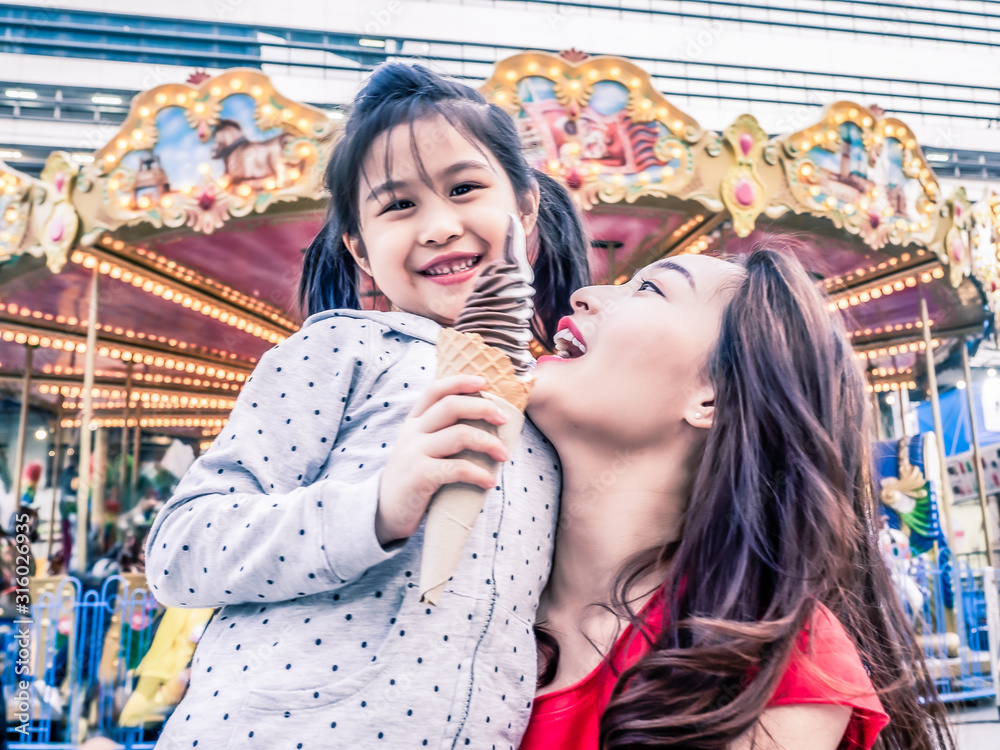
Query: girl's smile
x=453 y=268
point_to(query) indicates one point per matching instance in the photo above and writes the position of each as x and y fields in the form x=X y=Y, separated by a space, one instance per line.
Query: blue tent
x=955 y=420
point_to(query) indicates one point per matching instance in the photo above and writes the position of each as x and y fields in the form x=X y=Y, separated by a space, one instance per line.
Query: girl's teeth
x=458 y=267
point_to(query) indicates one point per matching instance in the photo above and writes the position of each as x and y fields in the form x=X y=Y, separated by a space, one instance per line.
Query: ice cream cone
x=490 y=338
x=455 y=507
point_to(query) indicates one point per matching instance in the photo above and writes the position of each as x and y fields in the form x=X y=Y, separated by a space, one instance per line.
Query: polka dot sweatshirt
x=321 y=640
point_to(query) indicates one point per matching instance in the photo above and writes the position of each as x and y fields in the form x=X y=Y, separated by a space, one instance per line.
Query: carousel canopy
x=195 y=215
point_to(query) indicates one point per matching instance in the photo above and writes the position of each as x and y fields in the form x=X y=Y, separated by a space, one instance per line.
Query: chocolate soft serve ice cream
x=500 y=307
x=491 y=337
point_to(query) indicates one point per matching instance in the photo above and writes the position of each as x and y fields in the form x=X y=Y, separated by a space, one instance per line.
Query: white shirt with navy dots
x=321 y=640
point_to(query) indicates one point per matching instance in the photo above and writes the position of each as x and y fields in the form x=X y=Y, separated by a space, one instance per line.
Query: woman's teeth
x=455 y=267
x=567 y=345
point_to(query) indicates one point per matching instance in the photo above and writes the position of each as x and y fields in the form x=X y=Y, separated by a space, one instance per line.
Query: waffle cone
x=455 y=507
x=468 y=354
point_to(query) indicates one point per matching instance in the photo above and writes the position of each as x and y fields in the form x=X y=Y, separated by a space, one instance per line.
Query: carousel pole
x=99 y=480
x=136 y=447
x=22 y=428
x=123 y=457
x=976 y=454
x=946 y=499
x=956 y=615
x=877 y=415
x=56 y=477
x=904 y=409
x=83 y=493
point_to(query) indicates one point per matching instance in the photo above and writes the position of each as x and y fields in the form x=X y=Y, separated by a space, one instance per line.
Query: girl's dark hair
x=782 y=518
x=400 y=93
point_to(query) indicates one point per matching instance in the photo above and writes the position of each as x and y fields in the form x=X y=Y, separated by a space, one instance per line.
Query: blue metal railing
x=84 y=648
x=958 y=654
x=86 y=643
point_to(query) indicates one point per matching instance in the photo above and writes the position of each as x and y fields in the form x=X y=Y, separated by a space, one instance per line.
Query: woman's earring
x=697 y=415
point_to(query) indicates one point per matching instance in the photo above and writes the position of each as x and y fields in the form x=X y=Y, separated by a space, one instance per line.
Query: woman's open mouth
x=568 y=346
x=569 y=342
x=453 y=269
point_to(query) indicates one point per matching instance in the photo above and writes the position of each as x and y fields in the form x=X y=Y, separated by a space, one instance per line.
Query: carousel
x=138 y=290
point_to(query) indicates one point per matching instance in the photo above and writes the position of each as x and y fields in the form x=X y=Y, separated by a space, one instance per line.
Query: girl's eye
x=651 y=287
x=464 y=188
x=397 y=206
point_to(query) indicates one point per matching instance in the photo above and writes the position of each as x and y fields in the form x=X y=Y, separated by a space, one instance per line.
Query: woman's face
x=640 y=374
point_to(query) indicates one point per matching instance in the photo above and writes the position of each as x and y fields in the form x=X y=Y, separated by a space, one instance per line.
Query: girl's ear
x=701 y=409
x=357 y=251
x=529 y=219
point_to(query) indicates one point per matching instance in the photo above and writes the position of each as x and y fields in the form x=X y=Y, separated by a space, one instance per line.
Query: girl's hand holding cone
x=426 y=453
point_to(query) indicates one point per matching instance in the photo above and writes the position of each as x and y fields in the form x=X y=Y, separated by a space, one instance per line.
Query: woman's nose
x=587 y=299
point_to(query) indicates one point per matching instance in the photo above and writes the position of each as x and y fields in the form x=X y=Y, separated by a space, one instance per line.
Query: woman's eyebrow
x=671 y=266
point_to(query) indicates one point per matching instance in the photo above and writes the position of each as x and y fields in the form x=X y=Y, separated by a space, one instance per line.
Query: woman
x=716 y=539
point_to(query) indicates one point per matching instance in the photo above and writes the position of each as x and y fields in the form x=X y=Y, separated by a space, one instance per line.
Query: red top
x=567 y=719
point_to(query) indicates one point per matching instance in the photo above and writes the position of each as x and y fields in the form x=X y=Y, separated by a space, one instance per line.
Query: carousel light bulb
x=144 y=111
x=236 y=84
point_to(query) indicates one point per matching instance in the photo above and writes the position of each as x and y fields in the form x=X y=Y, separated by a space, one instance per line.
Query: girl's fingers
x=438 y=389
x=452 y=408
x=450 y=470
x=461 y=437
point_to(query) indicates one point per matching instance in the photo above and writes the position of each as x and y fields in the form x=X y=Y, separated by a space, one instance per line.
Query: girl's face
x=426 y=244
x=640 y=374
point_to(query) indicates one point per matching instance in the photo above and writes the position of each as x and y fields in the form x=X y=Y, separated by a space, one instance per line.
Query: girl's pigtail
x=329 y=276
x=560 y=268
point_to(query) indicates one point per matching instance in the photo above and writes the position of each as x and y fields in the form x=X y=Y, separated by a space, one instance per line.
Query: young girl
x=303 y=519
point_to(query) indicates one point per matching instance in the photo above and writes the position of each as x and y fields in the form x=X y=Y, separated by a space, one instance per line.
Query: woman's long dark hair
x=781 y=519
x=399 y=93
